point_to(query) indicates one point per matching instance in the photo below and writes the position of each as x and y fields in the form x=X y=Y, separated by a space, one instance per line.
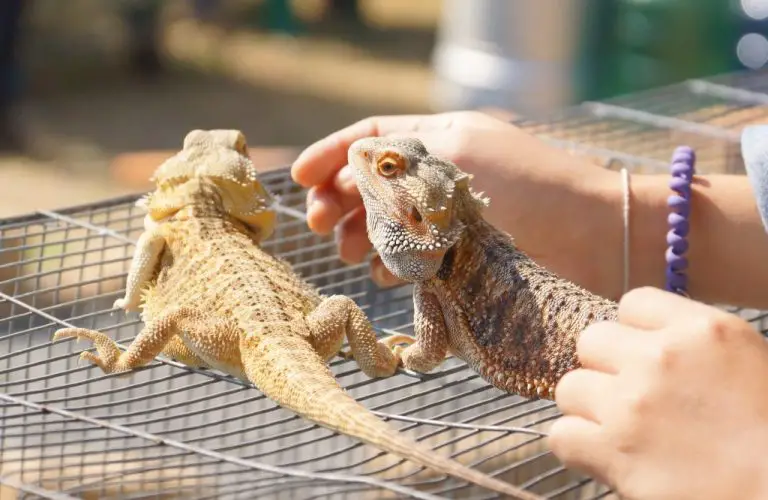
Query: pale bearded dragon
x=213 y=298
x=476 y=295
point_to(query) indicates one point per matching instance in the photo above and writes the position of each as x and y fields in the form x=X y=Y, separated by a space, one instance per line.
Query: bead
x=680 y=246
x=679 y=205
x=686 y=151
x=681 y=171
x=684 y=160
x=683 y=154
x=681 y=186
x=675 y=262
x=681 y=165
x=673 y=238
x=676 y=280
x=681 y=228
x=676 y=220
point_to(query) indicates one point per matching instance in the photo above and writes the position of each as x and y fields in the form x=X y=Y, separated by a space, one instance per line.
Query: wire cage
x=169 y=431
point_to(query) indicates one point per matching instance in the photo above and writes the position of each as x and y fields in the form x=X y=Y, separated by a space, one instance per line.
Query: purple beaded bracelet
x=682 y=170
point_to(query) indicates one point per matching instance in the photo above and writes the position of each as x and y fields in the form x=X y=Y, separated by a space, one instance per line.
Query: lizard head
x=413 y=201
x=217 y=158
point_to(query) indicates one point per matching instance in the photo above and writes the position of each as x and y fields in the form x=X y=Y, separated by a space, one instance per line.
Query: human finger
x=585 y=393
x=606 y=346
x=352 y=238
x=345 y=182
x=321 y=160
x=652 y=308
x=440 y=142
x=582 y=445
x=382 y=276
x=322 y=210
x=326 y=205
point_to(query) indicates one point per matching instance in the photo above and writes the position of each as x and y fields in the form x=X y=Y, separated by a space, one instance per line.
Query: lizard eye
x=390 y=164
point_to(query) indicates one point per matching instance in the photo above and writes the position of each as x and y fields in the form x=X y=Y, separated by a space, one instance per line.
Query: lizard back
x=214 y=264
x=519 y=321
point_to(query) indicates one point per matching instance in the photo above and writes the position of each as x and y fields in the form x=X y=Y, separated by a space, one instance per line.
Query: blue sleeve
x=754 y=151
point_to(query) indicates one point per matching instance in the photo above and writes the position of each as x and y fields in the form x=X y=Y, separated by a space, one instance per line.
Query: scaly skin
x=212 y=297
x=476 y=295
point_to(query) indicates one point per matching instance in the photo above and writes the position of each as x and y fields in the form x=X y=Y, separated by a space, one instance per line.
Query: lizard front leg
x=152 y=339
x=145 y=258
x=431 y=342
x=337 y=316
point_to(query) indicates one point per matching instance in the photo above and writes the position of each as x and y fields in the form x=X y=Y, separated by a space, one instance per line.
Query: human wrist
x=597 y=229
x=600 y=235
x=648 y=229
x=647 y=220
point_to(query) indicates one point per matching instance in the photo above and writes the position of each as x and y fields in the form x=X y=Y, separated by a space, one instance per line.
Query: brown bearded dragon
x=213 y=298
x=476 y=295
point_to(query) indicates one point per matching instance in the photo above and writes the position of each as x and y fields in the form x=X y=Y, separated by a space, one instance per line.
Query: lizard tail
x=289 y=371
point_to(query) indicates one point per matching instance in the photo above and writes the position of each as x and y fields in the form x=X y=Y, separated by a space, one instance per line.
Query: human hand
x=671 y=402
x=536 y=192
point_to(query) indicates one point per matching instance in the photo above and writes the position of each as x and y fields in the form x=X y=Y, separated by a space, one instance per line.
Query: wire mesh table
x=168 y=431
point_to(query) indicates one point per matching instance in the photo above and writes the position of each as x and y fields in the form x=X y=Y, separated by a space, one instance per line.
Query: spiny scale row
x=399 y=240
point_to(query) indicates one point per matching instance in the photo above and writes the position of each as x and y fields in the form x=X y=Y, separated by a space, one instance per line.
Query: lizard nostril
x=415 y=214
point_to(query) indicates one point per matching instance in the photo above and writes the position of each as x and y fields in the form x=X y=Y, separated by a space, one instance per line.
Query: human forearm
x=728 y=244
x=570 y=219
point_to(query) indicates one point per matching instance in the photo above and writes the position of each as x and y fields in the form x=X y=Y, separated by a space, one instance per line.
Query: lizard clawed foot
x=109 y=353
x=346 y=355
x=393 y=340
x=392 y=344
x=125 y=305
x=398 y=351
x=388 y=360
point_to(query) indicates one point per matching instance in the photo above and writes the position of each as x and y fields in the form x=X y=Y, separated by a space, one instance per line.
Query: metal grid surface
x=167 y=431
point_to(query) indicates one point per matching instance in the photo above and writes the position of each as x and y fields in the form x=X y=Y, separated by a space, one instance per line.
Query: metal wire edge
x=28 y=488
x=286 y=471
x=458 y=425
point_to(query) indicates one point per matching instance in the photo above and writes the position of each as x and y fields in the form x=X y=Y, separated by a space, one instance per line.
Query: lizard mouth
x=413 y=253
x=412 y=264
